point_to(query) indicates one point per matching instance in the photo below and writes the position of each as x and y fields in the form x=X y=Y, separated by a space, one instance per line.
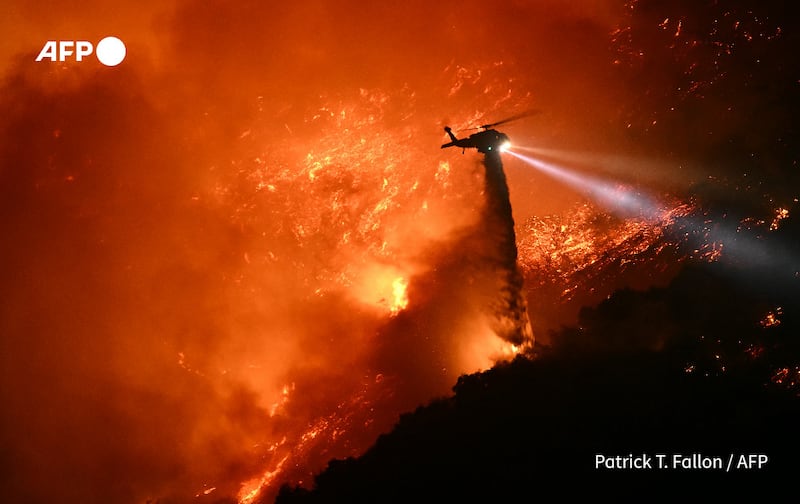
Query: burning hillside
x=241 y=252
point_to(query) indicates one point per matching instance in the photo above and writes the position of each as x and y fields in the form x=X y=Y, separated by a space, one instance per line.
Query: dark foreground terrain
x=706 y=377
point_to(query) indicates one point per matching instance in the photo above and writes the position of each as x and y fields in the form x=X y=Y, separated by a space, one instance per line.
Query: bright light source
x=505 y=146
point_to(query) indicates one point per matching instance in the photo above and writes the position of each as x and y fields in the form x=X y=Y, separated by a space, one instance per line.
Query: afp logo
x=110 y=51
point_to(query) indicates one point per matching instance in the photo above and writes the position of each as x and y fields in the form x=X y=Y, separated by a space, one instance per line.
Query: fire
x=251 y=489
x=787 y=377
x=562 y=250
x=281 y=243
x=400 y=295
x=361 y=212
x=780 y=214
x=771 y=318
x=284 y=399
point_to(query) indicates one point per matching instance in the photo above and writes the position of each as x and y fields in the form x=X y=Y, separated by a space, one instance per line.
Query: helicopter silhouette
x=488 y=141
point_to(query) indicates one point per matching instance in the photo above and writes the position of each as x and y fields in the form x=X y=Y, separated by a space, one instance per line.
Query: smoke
x=469 y=296
x=105 y=283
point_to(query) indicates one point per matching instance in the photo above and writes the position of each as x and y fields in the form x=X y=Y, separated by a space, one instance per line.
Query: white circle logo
x=110 y=51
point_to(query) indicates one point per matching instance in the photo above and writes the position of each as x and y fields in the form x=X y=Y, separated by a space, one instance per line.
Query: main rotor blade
x=521 y=115
x=515 y=117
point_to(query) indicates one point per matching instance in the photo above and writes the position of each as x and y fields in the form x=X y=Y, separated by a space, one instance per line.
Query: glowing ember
x=780 y=214
x=207 y=491
x=787 y=377
x=771 y=318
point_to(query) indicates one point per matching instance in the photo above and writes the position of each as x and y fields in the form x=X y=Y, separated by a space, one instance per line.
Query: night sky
x=241 y=253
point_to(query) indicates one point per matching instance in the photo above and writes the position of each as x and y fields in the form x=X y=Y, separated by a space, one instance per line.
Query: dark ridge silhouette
x=665 y=371
x=527 y=427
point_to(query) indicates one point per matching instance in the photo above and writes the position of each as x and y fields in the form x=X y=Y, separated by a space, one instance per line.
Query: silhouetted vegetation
x=667 y=371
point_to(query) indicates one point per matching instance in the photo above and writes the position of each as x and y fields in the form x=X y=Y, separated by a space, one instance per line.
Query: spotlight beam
x=615 y=196
x=623 y=201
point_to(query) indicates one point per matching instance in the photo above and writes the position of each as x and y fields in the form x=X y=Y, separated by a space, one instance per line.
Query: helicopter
x=488 y=141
